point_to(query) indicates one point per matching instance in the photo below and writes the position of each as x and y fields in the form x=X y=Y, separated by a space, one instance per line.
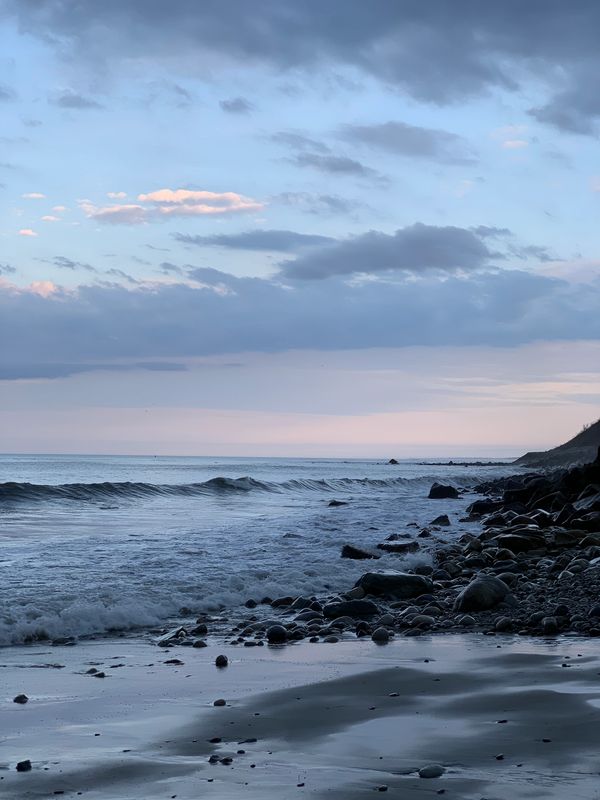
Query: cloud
x=222 y=314
x=6 y=93
x=62 y=262
x=33 y=196
x=515 y=144
x=336 y=165
x=165 y=203
x=7 y=269
x=116 y=195
x=27 y=232
x=416 y=248
x=411 y=141
x=319 y=204
x=14 y=372
x=59 y=209
x=73 y=100
x=50 y=218
x=299 y=142
x=437 y=52
x=237 y=105
x=262 y=240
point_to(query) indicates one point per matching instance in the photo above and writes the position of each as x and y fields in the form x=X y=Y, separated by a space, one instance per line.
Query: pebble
x=431 y=771
x=21 y=699
x=220 y=702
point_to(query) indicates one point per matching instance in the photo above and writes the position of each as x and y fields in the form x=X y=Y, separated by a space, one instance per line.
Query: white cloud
x=50 y=218
x=515 y=144
x=33 y=196
x=116 y=195
x=27 y=232
x=59 y=209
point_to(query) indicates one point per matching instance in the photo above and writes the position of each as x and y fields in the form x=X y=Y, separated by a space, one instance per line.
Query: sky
x=290 y=227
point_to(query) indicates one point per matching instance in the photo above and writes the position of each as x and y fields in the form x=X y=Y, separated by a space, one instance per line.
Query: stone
x=400 y=585
x=199 y=643
x=21 y=699
x=221 y=661
x=441 y=492
x=549 y=626
x=392 y=461
x=518 y=543
x=276 y=634
x=337 y=503
x=350 y=608
x=481 y=594
x=380 y=635
x=399 y=547
x=422 y=621
x=220 y=702
x=349 y=551
x=443 y=520
x=24 y=766
x=431 y=771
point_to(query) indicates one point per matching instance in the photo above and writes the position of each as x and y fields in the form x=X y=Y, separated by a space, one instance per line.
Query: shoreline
x=314 y=720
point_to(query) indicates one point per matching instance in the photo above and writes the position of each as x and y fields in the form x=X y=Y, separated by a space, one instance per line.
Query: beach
x=505 y=717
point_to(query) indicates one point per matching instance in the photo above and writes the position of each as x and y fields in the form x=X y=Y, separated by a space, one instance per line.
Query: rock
x=482 y=593
x=357 y=593
x=300 y=603
x=331 y=639
x=549 y=626
x=250 y=603
x=282 y=602
x=350 y=608
x=349 y=551
x=400 y=548
x=221 y=661
x=276 y=634
x=467 y=620
x=307 y=616
x=21 y=699
x=199 y=630
x=392 y=461
x=198 y=643
x=336 y=503
x=220 y=702
x=422 y=621
x=441 y=492
x=24 y=766
x=380 y=635
x=442 y=520
x=431 y=771
x=503 y=625
x=518 y=543
x=400 y=585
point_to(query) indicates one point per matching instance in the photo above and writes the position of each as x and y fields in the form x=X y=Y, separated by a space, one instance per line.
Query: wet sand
x=506 y=717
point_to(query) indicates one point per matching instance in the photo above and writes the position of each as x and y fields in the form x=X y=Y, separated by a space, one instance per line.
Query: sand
x=330 y=720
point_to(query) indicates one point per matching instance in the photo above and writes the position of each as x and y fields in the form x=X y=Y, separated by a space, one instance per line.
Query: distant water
x=90 y=544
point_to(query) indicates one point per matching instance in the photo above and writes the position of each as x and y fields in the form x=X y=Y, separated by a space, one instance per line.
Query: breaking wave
x=12 y=492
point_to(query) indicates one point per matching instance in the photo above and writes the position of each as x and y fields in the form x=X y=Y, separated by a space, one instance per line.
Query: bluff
x=581 y=449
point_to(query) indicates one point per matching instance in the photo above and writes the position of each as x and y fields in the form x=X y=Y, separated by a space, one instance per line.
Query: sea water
x=92 y=544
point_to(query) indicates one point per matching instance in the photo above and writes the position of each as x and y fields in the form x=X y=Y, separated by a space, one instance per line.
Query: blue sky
x=202 y=199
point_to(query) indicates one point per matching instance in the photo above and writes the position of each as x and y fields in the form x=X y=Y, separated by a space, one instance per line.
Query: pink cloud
x=33 y=196
x=27 y=232
x=165 y=203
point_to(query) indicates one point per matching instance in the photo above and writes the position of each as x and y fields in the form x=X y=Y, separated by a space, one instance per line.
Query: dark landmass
x=581 y=449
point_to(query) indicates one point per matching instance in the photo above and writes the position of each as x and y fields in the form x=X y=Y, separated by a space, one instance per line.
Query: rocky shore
x=533 y=569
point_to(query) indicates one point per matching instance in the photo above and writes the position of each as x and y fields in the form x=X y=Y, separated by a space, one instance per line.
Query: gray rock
x=20 y=699
x=24 y=766
x=400 y=548
x=349 y=551
x=441 y=492
x=350 y=608
x=431 y=771
x=401 y=585
x=221 y=661
x=381 y=636
x=442 y=520
x=220 y=702
x=549 y=626
x=276 y=634
x=482 y=593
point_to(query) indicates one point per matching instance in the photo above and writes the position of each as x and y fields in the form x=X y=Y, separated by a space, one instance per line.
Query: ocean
x=90 y=545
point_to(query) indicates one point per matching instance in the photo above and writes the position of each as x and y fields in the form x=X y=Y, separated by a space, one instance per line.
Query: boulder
x=483 y=593
x=517 y=543
x=441 y=492
x=399 y=547
x=392 y=461
x=276 y=634
x=442 y=520
x=401 y=585
x=350 y=608
x=349 y=551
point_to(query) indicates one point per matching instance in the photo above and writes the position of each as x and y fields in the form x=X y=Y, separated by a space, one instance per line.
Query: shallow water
x=90 y=544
